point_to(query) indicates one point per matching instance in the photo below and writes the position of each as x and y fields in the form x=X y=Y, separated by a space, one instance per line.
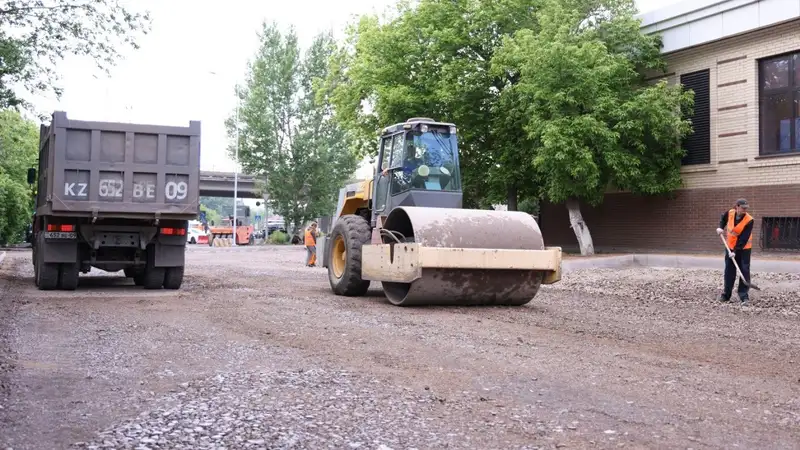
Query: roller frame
x=404 y=263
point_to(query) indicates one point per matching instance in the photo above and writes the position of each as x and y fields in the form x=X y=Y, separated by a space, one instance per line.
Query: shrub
x=278 y=237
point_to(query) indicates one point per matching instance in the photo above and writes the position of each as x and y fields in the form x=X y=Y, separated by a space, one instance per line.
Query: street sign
x=258 y=218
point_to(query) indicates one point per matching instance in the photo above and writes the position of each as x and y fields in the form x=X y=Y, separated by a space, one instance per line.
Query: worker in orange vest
x=311 y=245
x=737 y=227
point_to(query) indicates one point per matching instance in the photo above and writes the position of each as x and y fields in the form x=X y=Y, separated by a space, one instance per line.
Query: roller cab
x=406 y=229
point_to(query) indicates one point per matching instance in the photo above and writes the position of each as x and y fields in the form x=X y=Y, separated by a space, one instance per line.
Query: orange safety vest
x=735 y=231
x=309 y=239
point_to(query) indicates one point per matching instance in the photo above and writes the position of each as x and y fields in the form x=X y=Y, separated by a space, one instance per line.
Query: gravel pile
x=779 y=291
x=303 y=409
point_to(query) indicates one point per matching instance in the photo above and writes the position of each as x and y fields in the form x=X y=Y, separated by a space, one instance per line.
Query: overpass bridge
x=220 y=184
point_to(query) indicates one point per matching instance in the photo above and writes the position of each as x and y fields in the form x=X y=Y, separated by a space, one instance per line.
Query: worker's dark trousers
x=742 y=258
x=311 y=255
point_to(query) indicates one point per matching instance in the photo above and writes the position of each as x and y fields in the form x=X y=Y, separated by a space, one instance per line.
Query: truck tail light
x=63 y=227
x=174 y=231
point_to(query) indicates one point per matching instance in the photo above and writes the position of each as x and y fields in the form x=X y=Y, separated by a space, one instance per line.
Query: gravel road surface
x=256 y=352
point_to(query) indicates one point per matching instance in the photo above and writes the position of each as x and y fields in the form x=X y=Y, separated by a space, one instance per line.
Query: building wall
x=684 y=223
x=688 y=219
x=733 y=64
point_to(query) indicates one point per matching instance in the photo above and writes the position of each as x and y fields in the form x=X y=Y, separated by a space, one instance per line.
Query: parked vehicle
x=115 y=196
x=195 y=236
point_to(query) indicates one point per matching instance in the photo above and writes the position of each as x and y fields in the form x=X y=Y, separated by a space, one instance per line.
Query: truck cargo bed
x=105 y=169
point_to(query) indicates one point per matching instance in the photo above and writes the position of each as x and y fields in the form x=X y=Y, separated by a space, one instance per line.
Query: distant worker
x=311 y=245
x=737 y=227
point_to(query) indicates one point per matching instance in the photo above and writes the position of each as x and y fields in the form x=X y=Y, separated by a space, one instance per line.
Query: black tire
x=137 y=274
x=193 y=241
x=355 y=232
x=153 y=277
x=68 y=276
x=35 y=267
x=46 y=273
x=173 y=278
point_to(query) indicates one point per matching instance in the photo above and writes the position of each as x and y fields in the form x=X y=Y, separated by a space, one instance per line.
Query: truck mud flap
x=170 y=251
x=59 y=249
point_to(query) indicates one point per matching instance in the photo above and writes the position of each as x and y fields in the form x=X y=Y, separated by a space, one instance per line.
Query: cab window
x=386 y=146
x=397 y=151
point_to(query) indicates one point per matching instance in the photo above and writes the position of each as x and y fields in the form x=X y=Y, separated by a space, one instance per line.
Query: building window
x=779 y=104
x=698 y=144
x=780 y=233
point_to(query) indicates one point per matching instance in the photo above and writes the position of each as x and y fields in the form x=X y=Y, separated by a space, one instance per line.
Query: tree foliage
x=549 y=95
x=287 y=133
x=223 y=206
x=434 y=59
x=19 y=140
x=593 y=120
x=36 y=34
x=212 y=216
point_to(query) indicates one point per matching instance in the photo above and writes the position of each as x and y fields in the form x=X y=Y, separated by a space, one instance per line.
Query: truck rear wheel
x=344 y=265
x=46 y=274
x=47 y=279
x=153 y=277
x=173 y=278
x=68 y=276
x=137 y=274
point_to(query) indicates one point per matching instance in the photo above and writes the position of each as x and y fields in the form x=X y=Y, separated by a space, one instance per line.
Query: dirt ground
x=256 y=352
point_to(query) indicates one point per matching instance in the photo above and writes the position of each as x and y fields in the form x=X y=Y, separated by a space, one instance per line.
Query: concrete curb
x=674 y=261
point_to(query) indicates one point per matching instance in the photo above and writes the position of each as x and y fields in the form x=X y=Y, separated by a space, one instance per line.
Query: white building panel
x=695 y=22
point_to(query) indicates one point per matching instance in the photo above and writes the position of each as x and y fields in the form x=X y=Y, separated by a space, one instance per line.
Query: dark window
x=698 y=144
x=779 y=104
x=780 y=233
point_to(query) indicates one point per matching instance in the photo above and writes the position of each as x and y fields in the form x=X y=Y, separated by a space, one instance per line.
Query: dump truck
x=114 y=196
x=406 y=228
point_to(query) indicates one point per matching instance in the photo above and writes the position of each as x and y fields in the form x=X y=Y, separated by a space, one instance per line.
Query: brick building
x=742 y=59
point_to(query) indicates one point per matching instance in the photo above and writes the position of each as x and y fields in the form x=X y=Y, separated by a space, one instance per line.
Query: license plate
x=60 y=235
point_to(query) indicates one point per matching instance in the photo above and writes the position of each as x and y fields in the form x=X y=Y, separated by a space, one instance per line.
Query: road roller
x=406 y=228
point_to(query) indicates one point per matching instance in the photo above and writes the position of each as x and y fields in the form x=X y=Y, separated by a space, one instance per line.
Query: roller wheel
x=173 y=278
x=344 y=266
x=68 y=276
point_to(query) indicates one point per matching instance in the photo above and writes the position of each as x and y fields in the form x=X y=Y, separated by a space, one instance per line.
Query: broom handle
x=738 y=272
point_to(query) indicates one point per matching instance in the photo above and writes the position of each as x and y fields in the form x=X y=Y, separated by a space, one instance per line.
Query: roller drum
x=466 y=228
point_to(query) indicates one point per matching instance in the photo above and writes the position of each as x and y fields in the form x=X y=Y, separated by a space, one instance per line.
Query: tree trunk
x=580 y=228
x=512 y=198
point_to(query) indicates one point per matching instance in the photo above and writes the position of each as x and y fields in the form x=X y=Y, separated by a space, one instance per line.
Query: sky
x=189 y=63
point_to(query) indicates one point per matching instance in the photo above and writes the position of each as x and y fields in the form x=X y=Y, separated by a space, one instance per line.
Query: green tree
x=35 y=35
x=19 y=140
x=223 y=206
x=287 y=133
x=212 y=216
x=594 y=121
x=434 y=59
